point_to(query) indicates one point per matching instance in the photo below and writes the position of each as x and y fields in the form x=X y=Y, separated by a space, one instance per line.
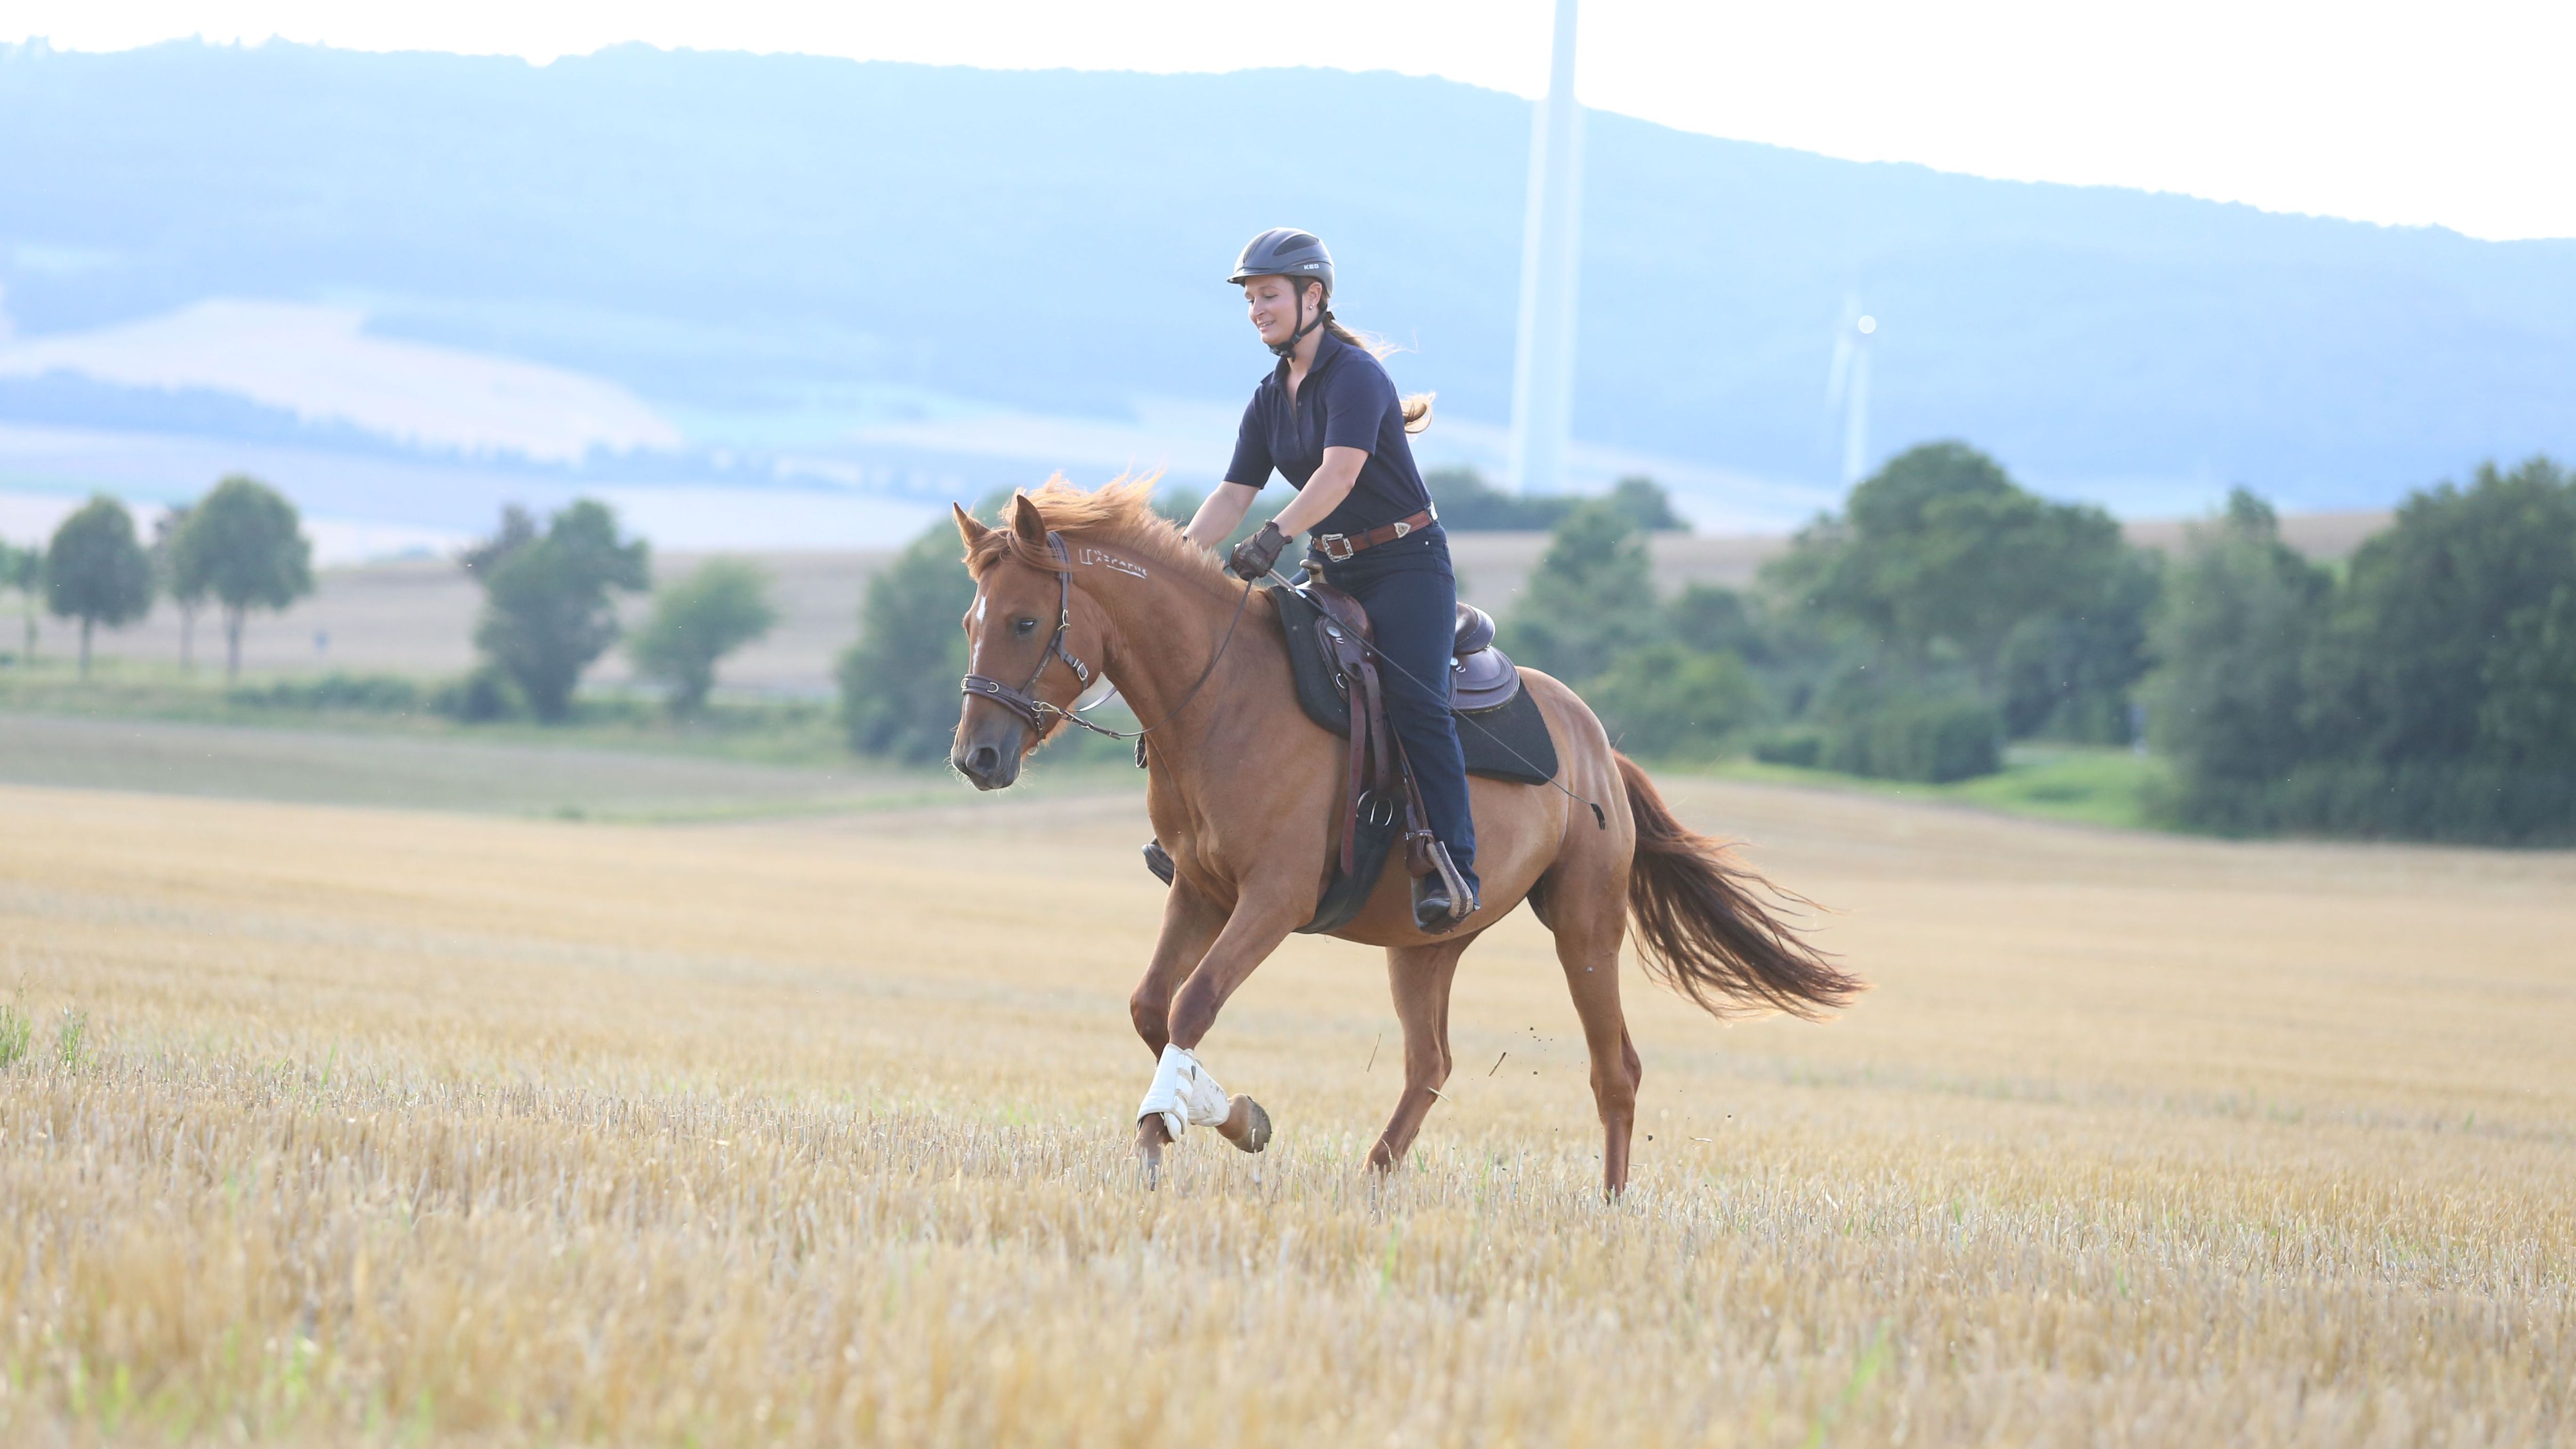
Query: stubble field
x=336 y=1126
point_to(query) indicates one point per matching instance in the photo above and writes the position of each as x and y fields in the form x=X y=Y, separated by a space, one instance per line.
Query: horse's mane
x=1118 y=514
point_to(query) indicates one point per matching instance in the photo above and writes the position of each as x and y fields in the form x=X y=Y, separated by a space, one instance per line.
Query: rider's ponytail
x=1417 y=408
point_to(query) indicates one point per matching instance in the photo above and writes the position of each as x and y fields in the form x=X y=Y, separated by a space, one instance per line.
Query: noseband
x=1036 y=712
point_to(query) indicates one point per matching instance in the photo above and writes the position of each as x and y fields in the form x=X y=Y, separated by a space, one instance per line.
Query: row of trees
x=2427 y=689
x=550 y=612
x=549 y=593
x=1907 y=636
x=1942 y=612
x=239 y=548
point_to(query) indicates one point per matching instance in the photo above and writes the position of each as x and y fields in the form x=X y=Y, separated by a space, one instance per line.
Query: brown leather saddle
x=1341 y=687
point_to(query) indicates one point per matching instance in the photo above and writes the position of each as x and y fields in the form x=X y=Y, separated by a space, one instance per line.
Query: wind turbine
x=1848 y=388
x=1551 y=248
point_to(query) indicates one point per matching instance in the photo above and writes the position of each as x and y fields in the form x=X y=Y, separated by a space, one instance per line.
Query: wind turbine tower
x=1551 y=246
x=1849 y=388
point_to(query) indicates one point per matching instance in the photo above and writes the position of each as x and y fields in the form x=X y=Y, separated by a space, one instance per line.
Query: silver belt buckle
x=1337 y=547
x=1402 y=528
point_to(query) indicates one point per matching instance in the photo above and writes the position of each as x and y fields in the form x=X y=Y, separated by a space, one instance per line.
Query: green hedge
x=2460 y=803
x=1935 y=740
x=363 y=693
x=1666 y=699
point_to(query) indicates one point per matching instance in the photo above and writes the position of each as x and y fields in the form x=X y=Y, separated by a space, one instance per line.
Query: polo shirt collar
x=1327 y=348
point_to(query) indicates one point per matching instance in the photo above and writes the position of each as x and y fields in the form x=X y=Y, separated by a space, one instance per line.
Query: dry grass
x=390 y=1127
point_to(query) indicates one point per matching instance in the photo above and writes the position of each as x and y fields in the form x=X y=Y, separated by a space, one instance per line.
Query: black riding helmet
x=1284 y=251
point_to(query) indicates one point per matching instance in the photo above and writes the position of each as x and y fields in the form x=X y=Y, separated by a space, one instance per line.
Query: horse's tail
x=1702 y=926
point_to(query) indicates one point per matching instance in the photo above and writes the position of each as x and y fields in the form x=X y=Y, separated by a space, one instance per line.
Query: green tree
x=1647 y=504
x=2227 y=701
x=2437 y=607
x=697 y=622
x=97 y=572
x=2528 y=718
x=547 y=614
x=1665 y=698
x=1469 y=504
x=1939 y=560
x=899 y=681
x=2069 y=673
x=180 y=574
x=1714 y=618
x=244 y=545
x=2430 y=694
x=23 y=569
x=1591 y=597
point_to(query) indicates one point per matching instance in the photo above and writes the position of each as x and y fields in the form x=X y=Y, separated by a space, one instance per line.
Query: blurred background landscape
x=772 y=313
x=775 y=301
x=495 y=954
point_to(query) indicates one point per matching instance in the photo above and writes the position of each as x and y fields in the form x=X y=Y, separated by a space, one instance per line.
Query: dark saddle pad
x=1499 y=724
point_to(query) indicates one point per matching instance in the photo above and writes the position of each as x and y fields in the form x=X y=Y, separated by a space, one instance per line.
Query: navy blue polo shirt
x=1347 y=401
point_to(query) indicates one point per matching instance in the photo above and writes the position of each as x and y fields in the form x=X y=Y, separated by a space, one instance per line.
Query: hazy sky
x=2460 y=114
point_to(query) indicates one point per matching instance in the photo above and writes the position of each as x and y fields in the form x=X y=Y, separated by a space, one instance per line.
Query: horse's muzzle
x=990 y=757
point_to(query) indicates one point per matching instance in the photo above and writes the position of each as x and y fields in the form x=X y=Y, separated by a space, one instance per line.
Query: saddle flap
x=1341 y=609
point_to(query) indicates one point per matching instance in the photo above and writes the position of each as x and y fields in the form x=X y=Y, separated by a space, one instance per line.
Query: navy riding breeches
x=1411 y=596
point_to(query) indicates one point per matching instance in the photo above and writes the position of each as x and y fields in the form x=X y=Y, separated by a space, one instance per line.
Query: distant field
x=361 y=1126
x=2078 y=784
x=601 y=773
x=417 y=616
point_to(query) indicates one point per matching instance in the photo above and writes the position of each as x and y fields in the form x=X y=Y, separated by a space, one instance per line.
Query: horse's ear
x=1027 y=522
x=967 y=528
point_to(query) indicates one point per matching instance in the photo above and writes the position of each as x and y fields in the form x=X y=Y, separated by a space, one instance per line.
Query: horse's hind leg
x=1420 y=977
x=1590 y=919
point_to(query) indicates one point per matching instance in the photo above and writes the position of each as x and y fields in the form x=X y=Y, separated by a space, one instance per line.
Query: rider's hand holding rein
x=1257 y=555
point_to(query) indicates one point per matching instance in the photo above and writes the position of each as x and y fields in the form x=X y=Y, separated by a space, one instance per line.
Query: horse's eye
x=1024 y=626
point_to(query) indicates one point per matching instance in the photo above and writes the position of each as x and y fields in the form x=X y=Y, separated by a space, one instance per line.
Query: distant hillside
x=787 y=256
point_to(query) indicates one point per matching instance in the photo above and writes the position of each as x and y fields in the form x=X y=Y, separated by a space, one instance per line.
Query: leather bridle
x=1035 y=711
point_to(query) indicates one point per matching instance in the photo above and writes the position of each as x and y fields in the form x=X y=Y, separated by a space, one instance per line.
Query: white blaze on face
x=975 y=638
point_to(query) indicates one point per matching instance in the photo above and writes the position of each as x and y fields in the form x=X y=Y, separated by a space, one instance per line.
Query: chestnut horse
x=1244 y=791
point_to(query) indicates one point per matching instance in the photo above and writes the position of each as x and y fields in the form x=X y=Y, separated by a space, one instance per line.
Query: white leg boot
x=1183 y=1094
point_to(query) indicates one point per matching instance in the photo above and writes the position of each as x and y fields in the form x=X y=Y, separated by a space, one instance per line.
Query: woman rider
x=1327 y=418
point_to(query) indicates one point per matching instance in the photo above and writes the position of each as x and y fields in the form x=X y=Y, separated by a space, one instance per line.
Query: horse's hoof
x=1151 y=1135
x=1247 y=1126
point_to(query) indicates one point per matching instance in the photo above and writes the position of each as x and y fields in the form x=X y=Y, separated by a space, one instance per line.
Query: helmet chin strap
x=1323 y=311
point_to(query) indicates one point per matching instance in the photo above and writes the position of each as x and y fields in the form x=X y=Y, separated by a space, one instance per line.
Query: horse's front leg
x=1183 y=1093
x=1190 y=925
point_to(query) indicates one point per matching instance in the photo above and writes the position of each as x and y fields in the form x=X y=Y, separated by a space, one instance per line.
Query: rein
x=1035 y=711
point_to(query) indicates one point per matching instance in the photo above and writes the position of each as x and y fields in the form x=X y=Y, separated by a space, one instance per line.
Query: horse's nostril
x=983 y=761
